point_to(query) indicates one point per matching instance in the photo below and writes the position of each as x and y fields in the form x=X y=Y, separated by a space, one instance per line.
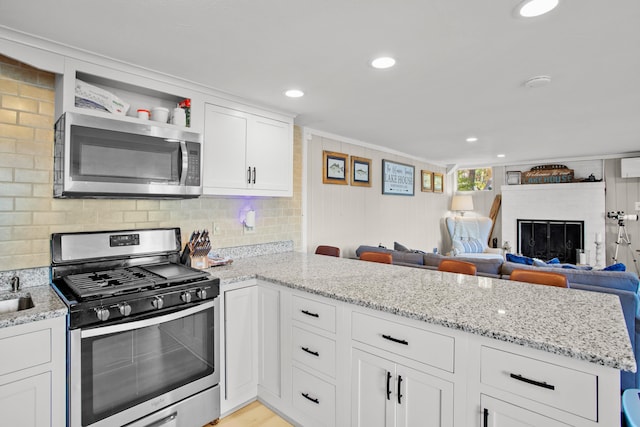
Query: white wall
x=621 y=195
x=563 y=202
x=348 y=216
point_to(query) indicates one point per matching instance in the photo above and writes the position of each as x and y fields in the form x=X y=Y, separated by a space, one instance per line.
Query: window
x=475 y=179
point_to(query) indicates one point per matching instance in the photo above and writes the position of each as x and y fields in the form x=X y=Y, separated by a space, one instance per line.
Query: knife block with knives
x=196 y=250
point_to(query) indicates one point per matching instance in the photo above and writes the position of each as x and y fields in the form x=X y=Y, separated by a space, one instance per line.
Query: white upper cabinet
x=246 y=153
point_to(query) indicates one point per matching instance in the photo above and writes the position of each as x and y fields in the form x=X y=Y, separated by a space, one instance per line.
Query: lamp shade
x=462 y=203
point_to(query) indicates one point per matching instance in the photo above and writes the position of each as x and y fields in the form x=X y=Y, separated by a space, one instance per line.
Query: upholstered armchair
x=469 y=237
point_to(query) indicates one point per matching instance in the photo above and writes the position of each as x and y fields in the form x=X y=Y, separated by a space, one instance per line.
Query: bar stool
x=540 y=278
x=328 y=250
x=377 y=257
x=455 y=266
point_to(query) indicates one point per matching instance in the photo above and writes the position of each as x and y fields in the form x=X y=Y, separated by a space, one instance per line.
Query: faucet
x=15 y=284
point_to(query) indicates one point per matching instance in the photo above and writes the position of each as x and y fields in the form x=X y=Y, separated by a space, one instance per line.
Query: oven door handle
x=123 y=327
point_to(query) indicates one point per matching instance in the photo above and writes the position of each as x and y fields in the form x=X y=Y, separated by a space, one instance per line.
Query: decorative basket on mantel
x=547 y=174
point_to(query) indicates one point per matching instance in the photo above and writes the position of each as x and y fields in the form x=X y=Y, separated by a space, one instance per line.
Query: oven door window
x=99 y=155
x=123 y=369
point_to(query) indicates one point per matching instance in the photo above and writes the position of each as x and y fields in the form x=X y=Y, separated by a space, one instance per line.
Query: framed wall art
x=360 y=171
x=335 y=168
x=438 y=182
x=513 y=177
x=427 y=181
x=397 y=178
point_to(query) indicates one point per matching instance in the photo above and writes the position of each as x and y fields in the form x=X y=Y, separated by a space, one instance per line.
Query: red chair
x=540 y=278
x=380 y=257
x=328 y=250
x=454 y=266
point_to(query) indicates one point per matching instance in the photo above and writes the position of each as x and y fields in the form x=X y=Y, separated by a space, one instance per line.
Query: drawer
x=430 y=348
x=557 y=386
x=314 y=398
x=314 y=313
x=25 y=350
x=314 y=351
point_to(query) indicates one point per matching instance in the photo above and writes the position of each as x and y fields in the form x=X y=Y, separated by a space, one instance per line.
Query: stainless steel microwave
x=96 y=157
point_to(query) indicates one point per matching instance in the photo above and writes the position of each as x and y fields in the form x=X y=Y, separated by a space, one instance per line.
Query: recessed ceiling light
x=501 y=156
x=472 y=139
x=533 y=8
x=294 y=93
x=383 y=62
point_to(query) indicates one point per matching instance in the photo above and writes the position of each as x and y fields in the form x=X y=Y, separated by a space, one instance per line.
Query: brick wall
x=29 y=213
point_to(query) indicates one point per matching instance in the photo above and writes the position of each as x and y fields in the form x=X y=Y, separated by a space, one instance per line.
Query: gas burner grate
x=111 y=282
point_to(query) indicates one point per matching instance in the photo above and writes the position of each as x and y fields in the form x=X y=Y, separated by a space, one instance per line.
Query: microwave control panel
x=193 y=171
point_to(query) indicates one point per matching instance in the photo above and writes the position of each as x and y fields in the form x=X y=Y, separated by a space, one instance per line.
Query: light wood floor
x=253 y=415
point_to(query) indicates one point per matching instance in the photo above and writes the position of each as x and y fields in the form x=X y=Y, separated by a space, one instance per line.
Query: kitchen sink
x=16 y=304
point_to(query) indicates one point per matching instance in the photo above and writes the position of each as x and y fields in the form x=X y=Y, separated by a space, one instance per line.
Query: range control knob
x=186 y=297
x=201 y=293
x=102 y=313
x=125 y=309
x=157 y=302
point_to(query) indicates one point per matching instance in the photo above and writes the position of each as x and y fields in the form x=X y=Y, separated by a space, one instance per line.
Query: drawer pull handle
x=306 y=396
x=254 y=175
x=388 y=388
x=306 y=349
x=486 y=417
x=399 y=394
x=249 y=175
x=308 y=313
x=390 y=338
x=532 y=382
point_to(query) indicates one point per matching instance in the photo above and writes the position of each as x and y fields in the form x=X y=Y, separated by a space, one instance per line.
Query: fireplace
x=546 y=239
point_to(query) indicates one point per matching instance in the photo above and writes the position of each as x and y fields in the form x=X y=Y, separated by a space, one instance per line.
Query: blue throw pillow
x=553 y=261
x=520 y=259
x=615 y=267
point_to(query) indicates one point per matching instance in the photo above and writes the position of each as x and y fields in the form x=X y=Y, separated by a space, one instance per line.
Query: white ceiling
x=461 y=65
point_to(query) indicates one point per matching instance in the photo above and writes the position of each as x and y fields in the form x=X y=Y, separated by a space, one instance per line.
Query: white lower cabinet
x=385 y=393
x=269 y=360
x=496 y=413
x=321 y=362
x=32 y=374
x=239 y=377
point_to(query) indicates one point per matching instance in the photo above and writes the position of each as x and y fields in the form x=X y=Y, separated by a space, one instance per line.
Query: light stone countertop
x=582 y=325
x=46 y=303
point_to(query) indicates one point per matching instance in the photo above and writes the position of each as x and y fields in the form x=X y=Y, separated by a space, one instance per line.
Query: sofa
x=624 y=284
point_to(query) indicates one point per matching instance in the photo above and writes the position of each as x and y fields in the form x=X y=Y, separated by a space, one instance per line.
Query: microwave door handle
x=185 y=162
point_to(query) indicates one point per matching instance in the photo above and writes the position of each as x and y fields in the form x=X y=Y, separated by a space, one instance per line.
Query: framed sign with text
x=397 y=178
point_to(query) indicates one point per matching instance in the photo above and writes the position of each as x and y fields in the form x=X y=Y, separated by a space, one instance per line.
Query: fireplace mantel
x=581 y=201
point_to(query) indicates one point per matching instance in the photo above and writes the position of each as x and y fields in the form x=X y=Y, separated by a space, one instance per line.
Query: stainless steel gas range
x=143 y=332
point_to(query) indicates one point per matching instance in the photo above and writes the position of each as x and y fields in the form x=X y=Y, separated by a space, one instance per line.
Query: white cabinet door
x=373 y=398
x=241 y=361
x=26 y=402
x=424 y=400
x=496 y=413
x=270 y=152
x=269 y=340
x=224 y=152
x=246 y=154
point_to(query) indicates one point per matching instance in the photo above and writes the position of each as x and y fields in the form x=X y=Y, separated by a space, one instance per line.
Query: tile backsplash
x=29 y=214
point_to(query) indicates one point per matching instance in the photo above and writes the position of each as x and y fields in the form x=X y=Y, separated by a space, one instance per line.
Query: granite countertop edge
x=621 y=362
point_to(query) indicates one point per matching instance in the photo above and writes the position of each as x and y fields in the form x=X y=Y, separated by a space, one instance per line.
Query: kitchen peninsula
x=344 y=341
